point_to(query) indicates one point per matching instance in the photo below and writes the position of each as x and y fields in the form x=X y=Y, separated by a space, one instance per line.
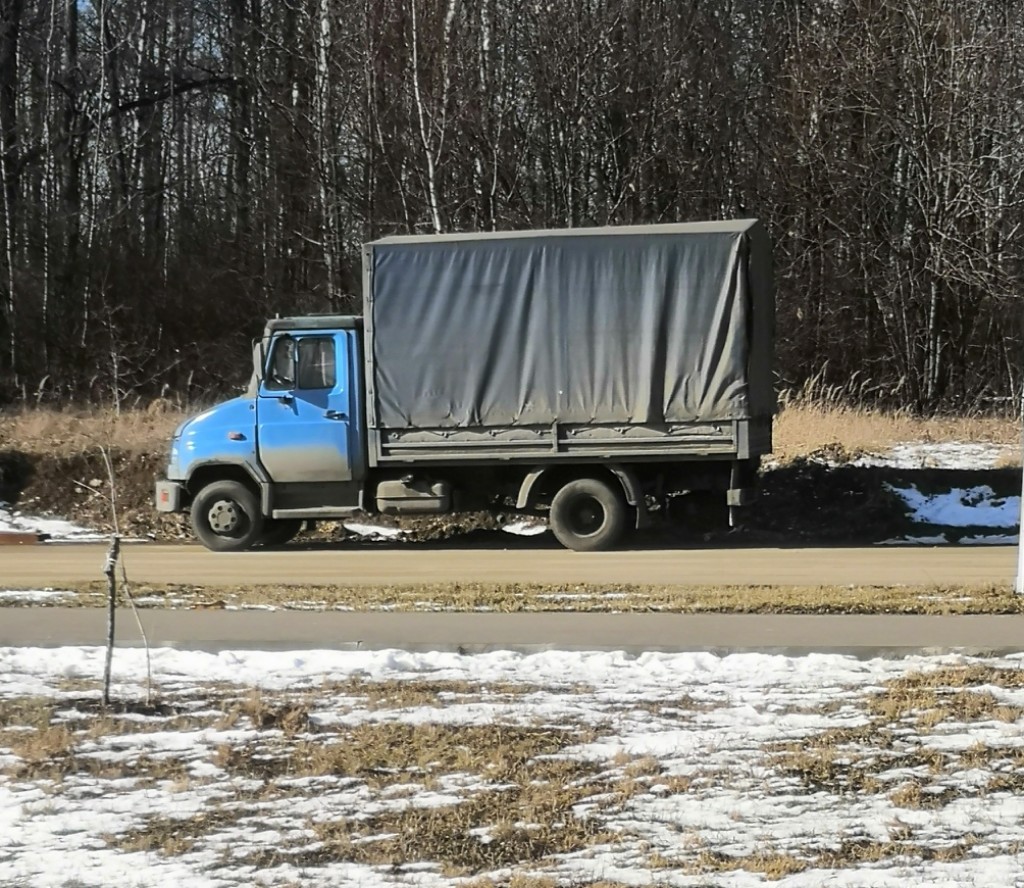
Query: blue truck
x=602 y=378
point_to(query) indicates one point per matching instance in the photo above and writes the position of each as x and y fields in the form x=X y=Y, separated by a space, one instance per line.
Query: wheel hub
x=224 y=516
x=588 y=517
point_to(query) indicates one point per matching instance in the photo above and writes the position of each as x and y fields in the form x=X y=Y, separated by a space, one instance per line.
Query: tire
x=278 y=531
x=226 y=517
x=588 y=515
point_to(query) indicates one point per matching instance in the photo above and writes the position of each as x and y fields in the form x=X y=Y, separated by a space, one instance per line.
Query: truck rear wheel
x=226 y=517
x=588 y=515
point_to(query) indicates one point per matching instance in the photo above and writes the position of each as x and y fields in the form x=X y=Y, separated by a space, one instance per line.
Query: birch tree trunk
x=326 y=149
x=10 y=31
x=432 y=122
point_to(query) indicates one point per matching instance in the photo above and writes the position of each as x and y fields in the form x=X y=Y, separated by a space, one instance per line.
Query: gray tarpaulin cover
x=648 y=324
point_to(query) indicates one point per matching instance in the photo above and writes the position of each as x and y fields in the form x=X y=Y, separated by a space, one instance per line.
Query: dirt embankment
x=804 y=500
x=76 y=486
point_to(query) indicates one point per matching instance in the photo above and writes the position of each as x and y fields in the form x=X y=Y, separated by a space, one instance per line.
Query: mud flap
x=735 y=499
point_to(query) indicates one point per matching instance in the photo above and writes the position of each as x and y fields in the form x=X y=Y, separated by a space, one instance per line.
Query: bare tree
x=171 y=171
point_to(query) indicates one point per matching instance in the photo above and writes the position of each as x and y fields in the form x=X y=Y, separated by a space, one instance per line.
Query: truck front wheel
x=588 y=515
x=226 y=517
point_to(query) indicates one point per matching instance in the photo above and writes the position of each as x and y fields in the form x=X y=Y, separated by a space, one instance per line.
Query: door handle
x=335 y=414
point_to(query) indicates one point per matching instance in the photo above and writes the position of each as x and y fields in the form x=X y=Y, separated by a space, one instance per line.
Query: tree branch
x=179 y=85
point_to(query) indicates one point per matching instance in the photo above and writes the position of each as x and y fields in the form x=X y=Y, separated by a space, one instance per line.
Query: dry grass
x=825 y=768
x=519 y=809
x=52 y=749
x=980 y=755
x=855 y=760
x=522 y=810
x=493 y=829
x=808 y=423
x=55 y=753
x=284 y=713
x=975 y=675
x=26 y=712
x=386 y=753
x=852 y=853
x=264 y=714
x=682 y=709
x=931 y=701
x=588 y=598
x=772 y=865
x=72 y=431
x=174 y=835
x=396 y=694
x=523 y=880
x=914 y=794
x=42 y=749
x=849 y=854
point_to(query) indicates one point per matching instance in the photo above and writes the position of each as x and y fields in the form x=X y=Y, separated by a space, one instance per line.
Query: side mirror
x=259 y=359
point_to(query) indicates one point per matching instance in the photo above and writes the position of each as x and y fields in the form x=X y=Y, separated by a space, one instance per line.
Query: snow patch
x=940 y=455
x=36 y=596
x=996 y=539
x=373 y=531
x=937 y=540
x=525 y=528
x=961 y=507
x=57 y=529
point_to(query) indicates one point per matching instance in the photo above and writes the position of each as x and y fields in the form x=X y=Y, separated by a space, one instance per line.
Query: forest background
x=174 y=171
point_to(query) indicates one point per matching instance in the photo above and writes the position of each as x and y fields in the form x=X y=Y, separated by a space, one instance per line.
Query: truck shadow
x=805 y=504
x=473 y=540
x=808 y=503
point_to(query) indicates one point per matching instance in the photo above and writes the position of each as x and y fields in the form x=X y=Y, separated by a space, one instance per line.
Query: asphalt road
x=472 y=633
x=49 y=565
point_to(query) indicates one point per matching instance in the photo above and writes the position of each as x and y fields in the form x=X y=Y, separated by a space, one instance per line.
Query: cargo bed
x=732 y=439
x=632 y=343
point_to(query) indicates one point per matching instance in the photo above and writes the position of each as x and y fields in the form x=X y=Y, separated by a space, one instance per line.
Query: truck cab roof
x=314 y=322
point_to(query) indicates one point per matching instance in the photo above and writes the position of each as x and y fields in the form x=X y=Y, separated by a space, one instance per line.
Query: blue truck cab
x=251 y=469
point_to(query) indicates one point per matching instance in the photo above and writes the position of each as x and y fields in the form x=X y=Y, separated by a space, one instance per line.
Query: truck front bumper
x=169 y=496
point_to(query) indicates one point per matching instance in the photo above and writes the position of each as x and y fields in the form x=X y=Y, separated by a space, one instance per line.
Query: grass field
x=527 y=771
x=430 y=597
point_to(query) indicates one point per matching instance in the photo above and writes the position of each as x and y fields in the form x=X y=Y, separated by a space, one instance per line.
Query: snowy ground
x=550 y=769
x=942 y=455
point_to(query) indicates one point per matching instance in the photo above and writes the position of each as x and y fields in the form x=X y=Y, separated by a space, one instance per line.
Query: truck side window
x=281 y=367
x=316 y=363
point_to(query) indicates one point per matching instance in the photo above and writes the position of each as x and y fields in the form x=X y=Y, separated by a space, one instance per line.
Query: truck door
x=307 y=427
